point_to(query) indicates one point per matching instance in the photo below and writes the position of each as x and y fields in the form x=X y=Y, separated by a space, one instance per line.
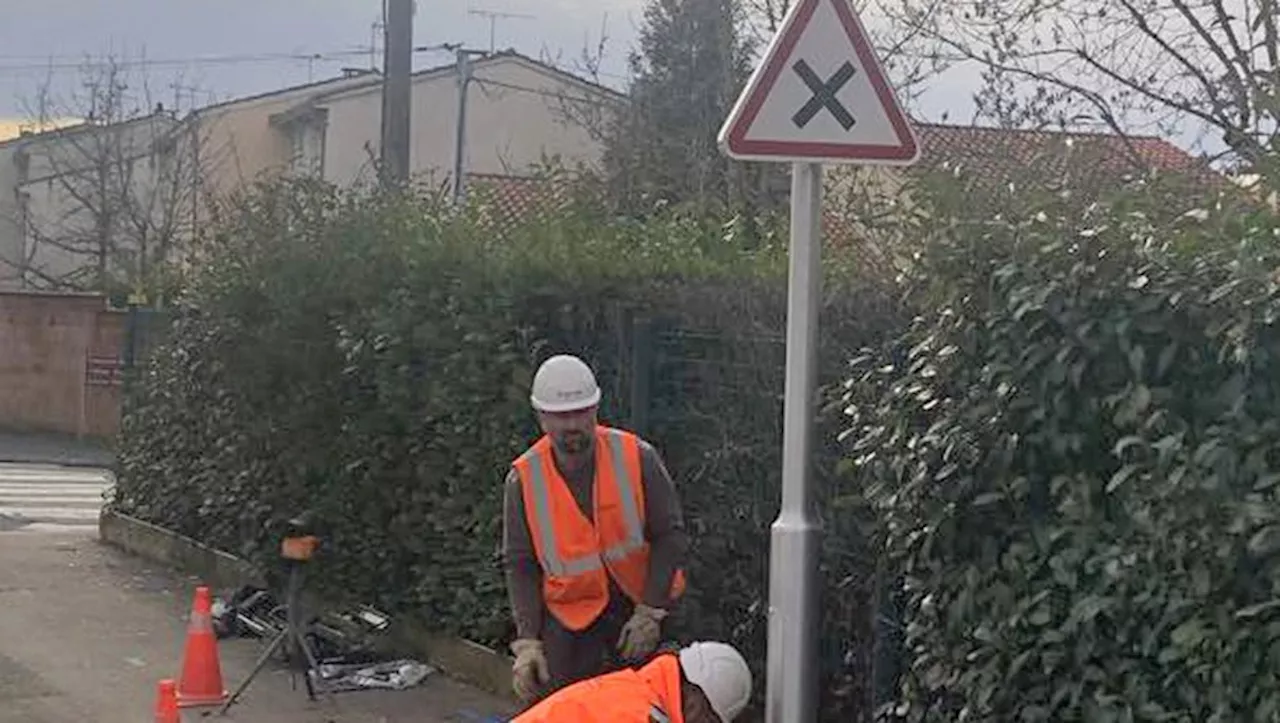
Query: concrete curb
x=54 y=462
x=55 y=448
x=463 y=660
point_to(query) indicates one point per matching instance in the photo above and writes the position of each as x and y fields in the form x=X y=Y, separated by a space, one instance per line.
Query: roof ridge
x=1040 y=131
x=366 y=76
x=343 y=84
x=87 y=126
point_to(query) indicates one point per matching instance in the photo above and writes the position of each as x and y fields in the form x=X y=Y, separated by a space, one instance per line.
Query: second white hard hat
x=564 y=383
x=722 y=674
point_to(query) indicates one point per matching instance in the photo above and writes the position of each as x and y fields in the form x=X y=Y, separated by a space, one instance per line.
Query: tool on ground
x=201 y=681
x=167 y=702
x=340 y=637
x=296 y=550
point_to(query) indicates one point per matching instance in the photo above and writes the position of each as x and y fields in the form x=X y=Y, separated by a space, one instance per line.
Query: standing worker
x=703 y=683
x=593 y=538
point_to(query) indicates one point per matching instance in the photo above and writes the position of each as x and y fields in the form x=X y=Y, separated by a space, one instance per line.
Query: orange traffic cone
x=201 y=681
x=167 y=702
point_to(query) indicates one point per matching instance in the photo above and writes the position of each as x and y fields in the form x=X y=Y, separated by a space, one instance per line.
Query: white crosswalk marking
x=51 y=499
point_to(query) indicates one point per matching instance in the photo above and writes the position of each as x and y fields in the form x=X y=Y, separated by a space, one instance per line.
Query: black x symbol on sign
x=824 y=94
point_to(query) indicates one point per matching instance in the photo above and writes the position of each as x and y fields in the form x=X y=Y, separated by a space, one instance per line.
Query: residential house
x=859 y=196
x=519 y=112
x=1088 y=160
x=237 y=143
x=11 y=128
x=993 y=159
x=88 y=202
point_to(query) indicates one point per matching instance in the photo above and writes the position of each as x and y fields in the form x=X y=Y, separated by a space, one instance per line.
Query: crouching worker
x=702 y=683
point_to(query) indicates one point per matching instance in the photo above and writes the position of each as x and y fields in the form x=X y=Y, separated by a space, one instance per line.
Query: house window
x=23 y=161
x=25 y=240
x=308 y=148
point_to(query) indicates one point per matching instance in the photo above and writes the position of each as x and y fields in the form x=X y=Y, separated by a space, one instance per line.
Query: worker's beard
x=572 y=443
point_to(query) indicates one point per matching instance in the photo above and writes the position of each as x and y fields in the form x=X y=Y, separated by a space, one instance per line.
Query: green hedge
x=369 y=360
x=1074 y=455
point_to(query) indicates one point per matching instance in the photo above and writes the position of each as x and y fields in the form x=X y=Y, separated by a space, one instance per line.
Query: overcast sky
x=237 y=47
x=214 y=51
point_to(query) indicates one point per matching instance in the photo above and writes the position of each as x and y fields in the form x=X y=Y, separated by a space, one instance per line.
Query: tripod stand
x=296 y=552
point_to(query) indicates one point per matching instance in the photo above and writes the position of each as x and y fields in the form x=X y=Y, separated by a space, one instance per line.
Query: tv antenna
x=493 y=16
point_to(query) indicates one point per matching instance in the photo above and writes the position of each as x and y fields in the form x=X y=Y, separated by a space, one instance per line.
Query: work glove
x=641 y=633
x=529 y=673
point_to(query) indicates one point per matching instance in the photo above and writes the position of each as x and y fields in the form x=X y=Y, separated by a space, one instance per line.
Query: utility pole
x=460 y=134
x=493 y=19
x=397 y=93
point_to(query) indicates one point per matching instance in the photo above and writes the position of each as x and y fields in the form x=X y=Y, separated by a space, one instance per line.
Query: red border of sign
x=906 y=150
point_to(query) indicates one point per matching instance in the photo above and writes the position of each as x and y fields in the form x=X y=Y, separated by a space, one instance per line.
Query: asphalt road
x=87 y=631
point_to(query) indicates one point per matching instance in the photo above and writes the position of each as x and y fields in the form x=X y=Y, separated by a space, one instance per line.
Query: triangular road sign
x=820 y=95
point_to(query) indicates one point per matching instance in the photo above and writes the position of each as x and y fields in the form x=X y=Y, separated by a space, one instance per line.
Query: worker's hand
x=529 y=673
x=641 y=633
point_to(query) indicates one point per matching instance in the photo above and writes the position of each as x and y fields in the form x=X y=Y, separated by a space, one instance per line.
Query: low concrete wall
x=462 y=660
x=150 y=542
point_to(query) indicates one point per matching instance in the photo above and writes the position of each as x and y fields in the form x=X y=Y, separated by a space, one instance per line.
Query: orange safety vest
x=650 y=694
x=578 y=557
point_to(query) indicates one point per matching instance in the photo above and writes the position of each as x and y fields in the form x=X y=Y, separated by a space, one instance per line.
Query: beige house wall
x=64 y=195
x=518 y=112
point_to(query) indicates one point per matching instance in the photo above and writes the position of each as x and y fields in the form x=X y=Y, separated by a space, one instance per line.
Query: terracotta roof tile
x=999 y=156
x=1093 y=159
x=504 y=201
x=993 y=158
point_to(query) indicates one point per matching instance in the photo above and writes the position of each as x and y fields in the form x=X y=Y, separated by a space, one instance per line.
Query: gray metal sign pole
x=817 y=97
x=792 y=688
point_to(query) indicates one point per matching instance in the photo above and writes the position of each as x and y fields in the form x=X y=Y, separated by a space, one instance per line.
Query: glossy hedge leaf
x=1121 y=401
x=369 y=359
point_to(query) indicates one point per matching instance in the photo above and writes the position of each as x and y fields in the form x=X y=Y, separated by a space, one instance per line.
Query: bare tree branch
x=1133 y=62
x=107 y=203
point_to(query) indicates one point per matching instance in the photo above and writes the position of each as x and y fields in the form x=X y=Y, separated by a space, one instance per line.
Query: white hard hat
x=722 y=674
x=564 y=384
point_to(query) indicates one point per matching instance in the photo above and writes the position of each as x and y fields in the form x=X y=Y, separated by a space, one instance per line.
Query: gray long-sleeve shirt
x=664 y=530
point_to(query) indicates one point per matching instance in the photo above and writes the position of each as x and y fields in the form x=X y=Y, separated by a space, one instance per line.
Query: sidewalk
x=45 y=448
x=86 y=631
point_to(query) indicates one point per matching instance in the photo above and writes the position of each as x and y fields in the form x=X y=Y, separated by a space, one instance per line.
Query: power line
x=83 y=56
x=206 y=60
x=487 y=83
x=55 y=63
x=334 y=55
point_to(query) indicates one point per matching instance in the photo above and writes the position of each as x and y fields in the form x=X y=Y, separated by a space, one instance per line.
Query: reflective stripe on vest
x=634 y=539
x=658 y=715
